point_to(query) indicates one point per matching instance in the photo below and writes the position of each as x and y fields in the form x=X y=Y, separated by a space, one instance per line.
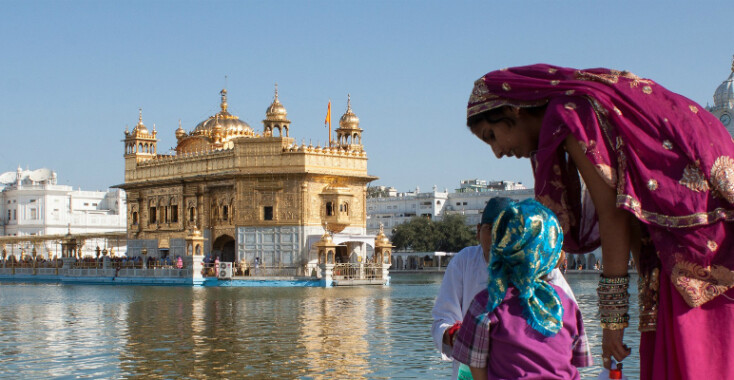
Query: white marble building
x=469 y=199
x=32 y=203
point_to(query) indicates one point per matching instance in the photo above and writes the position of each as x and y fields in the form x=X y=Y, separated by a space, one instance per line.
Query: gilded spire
x=276 y=91
x=140 y=116
x=349 y=102
x=224 y=99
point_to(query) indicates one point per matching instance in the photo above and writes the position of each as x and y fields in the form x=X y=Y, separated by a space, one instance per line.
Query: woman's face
x=515 y=134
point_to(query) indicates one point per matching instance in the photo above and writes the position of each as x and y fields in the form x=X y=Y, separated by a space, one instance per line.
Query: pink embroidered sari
x=672 y=165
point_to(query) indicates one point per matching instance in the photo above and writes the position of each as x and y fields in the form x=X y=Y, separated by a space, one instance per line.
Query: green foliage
x=421 y=234
x=377 y=192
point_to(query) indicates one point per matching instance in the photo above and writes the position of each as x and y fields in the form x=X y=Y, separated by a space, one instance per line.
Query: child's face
x=485 y=238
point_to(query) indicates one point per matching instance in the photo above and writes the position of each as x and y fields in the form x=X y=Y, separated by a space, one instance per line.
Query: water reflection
x=177 y=332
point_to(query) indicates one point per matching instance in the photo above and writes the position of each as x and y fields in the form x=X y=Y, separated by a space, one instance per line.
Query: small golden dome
x=180 y=133
x=276 y=111
x=140 y=127
x=349 y=120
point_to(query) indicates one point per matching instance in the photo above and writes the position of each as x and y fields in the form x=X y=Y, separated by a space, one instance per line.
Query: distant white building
x=469 y=200
x=32 y=203
x=724 y=102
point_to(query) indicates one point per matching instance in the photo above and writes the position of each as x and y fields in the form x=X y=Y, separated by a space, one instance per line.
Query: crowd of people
x=619 y=163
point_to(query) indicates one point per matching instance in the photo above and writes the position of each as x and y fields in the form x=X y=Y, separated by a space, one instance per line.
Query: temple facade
x=254 y=196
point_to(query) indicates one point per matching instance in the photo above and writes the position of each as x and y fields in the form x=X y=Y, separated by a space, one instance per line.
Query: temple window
x=225 y=213
x=329 y=209
x=346 y=208
x=152 y=216
x=135 y=218
x=174 y=213
x=268 y=213
x=191 y=214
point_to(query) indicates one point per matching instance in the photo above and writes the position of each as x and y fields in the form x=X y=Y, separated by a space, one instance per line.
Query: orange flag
x=327 y=121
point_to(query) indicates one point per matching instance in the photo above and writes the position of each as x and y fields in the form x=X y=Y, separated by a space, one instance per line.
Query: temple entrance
x=223 y=248
x=341 y=256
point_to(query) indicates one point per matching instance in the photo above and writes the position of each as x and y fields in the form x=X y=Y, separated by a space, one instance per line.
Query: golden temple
x=253 y=197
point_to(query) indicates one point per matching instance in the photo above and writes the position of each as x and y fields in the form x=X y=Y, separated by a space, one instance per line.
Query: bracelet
x=613 y=302
x=614 y=326
x=614 y=280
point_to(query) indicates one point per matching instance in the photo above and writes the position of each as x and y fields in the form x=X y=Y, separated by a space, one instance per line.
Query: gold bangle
x=615 y=326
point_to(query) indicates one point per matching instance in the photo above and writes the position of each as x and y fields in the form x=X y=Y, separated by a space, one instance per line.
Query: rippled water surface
x=87 y=331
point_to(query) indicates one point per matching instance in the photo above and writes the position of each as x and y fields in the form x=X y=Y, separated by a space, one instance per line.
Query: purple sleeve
x=581 y=352
x=472 y=340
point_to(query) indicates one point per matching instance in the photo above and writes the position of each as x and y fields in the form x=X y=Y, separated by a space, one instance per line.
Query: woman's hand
x=612 y=345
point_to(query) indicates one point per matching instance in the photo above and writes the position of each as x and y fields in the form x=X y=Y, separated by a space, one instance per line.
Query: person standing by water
x=465 y=276
x=659 y=170
x=520 y=325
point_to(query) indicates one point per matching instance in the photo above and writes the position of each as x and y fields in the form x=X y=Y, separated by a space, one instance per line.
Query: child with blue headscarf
x=521 y=326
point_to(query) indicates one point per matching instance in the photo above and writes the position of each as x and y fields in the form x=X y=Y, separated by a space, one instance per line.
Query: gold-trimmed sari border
x=692 y=220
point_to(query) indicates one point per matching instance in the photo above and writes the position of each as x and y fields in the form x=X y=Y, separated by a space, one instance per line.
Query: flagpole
x=327 y=121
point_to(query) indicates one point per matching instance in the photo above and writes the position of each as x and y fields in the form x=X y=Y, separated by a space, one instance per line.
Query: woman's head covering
x=526 y=246
x=493 y=209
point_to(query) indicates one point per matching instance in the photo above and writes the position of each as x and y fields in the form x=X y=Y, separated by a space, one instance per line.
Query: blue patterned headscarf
x=526 y=245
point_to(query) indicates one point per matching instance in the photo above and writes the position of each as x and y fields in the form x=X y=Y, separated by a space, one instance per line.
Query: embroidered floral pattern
x=647 y=90
x=560 y=209
x=698 y=284
x=667 y=145
x=648 y=285
x=612 y=77
x=712 y=246
x=506 y=86
x=570 y=106
x=722 y=177
x=552 y=70
x=480 y=92
x=652 y=184
x=693 y=178
x=693 y=108
x=570 y=92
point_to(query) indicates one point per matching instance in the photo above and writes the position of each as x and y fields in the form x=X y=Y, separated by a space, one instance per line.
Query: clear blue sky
x=74 y=73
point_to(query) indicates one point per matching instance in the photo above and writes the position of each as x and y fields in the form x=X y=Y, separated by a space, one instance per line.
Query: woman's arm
x=615 y=231
x=479 y=373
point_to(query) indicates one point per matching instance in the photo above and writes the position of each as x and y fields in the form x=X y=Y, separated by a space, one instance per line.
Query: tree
x=454 y=233
x=377 y=192
x=421 y=234
x=418 y=235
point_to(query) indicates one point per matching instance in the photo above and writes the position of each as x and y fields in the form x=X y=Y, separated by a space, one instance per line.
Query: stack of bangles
x=614 y=302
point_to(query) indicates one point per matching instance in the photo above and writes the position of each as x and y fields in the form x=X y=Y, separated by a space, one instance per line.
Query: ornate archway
x=224 y=248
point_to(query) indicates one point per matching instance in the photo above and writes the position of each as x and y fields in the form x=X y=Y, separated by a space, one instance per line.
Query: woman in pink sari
x=633 y=167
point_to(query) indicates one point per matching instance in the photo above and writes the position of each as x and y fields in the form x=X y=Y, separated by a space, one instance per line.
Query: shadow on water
x=89 y=331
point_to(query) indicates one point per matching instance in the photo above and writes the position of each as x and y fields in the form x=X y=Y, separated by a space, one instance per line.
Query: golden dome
x=381 y=240
x=180 y=133
x=276 y=111
x=349 y=120
x=229 y=123
x=140 y=127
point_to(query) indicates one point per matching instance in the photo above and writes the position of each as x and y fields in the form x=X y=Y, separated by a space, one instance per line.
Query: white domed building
x=724 y=102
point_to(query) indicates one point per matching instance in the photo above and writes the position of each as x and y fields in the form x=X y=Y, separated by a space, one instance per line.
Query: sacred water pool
x=87 y=331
